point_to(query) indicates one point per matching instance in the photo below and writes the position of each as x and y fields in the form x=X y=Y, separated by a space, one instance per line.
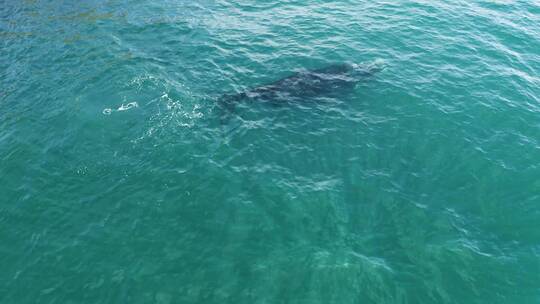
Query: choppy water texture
x=121 y=182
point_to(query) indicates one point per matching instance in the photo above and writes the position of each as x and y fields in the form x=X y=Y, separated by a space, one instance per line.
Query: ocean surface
x=121 y=182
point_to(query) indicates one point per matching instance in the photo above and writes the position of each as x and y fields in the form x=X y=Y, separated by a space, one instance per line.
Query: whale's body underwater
x=305 y=84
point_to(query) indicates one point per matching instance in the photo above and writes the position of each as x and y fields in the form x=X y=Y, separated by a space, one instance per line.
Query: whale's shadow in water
x=302 y=86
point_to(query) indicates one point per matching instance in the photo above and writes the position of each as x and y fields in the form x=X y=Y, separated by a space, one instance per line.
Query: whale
x=305 y=84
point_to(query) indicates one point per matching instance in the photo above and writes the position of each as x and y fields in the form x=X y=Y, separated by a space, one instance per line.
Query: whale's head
x=366 y=69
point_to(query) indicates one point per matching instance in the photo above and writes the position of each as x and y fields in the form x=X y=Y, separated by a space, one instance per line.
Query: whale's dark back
x=302 y=85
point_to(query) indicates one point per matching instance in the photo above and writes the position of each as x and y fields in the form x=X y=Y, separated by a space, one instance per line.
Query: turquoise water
x=121 y=182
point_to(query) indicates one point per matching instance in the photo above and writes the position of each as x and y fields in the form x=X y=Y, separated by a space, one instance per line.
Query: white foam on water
x=123 y=107
x=128 y=106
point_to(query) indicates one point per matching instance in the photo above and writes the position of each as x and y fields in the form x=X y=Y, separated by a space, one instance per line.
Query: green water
x=121 y=183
